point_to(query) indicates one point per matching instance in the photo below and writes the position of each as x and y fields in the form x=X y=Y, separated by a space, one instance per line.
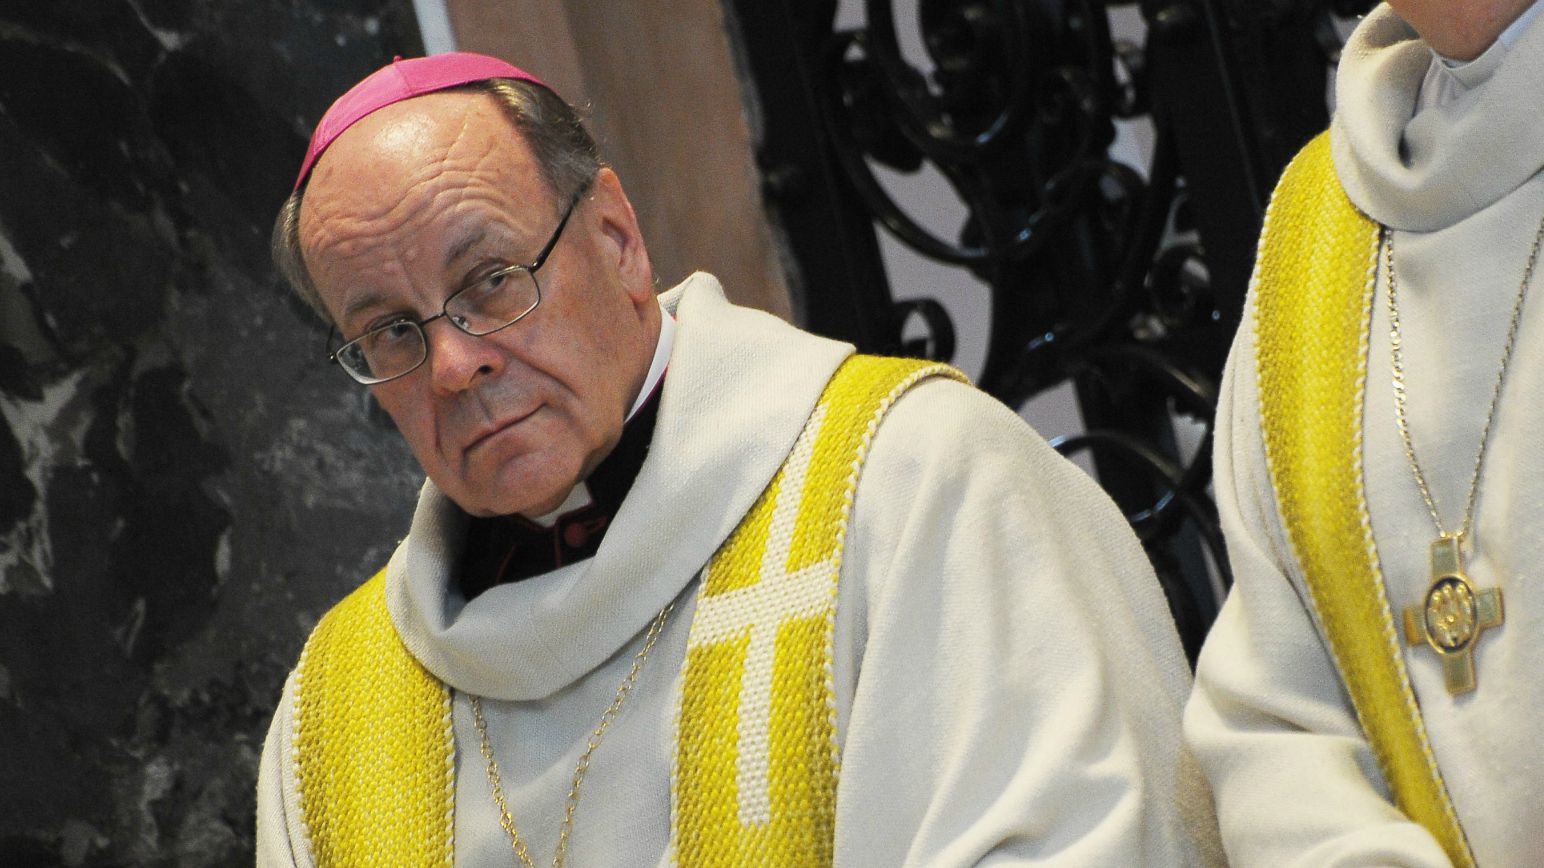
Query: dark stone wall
x=185 y=483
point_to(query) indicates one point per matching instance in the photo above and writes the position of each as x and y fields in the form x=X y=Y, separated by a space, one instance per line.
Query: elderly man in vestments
x=685 y=584
x=1368 y=693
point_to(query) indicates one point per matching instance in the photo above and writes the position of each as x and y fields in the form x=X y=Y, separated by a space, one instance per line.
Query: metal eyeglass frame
x=459 y=322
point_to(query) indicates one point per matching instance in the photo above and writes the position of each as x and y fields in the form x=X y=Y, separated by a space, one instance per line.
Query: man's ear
x=620 y=238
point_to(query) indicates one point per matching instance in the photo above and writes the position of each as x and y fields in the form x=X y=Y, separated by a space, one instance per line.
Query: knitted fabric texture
x=756 y=752
x=374 y=748
x=1314 y=285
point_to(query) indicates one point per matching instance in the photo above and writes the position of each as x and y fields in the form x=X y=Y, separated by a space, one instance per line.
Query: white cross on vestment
x=761 y=608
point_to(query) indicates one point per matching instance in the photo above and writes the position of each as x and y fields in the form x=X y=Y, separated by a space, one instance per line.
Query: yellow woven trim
x=855 y=400
x=757 y=758
x=374 y=748
x=737 y=563
x=707 y=740
x=1314 y=285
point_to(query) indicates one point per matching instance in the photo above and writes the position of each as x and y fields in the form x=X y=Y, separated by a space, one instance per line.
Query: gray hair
x=566 y=157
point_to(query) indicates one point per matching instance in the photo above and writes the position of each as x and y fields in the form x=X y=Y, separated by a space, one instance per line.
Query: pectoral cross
x=1453 y=615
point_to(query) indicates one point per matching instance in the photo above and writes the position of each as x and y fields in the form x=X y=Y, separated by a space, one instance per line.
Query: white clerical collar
x=579 y=496
x=1502 y=43
x=1448 y=79
x=667 y=327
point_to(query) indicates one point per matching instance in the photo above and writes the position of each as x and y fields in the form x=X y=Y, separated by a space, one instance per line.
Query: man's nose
x=456 y=359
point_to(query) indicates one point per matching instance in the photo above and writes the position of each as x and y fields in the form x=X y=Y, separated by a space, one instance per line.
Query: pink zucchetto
x=400 y=80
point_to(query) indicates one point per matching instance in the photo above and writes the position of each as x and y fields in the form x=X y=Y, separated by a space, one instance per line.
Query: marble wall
x=185 y=483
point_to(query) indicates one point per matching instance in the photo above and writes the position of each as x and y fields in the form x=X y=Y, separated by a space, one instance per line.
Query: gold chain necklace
x=495 y=781
x=1453 y=614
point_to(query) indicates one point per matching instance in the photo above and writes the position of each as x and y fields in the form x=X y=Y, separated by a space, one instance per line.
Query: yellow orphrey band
x=374 y=748
x=756 y=752
x=1313 y=301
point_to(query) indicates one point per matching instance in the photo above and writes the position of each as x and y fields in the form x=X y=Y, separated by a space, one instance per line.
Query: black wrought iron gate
x=1127 y=281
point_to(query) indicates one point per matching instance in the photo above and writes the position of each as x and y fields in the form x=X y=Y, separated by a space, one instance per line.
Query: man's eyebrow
x=472 y=238
x=363 y=302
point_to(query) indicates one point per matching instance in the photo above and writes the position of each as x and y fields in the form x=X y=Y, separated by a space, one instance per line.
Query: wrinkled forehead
x=417 y=194
x=405 y=151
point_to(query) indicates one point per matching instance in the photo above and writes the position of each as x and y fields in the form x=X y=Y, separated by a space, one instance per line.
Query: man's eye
x=488 y=286
x=392 y=333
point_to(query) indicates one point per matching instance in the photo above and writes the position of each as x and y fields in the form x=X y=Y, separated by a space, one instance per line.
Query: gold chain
x=1396 y=341
x=495 y=781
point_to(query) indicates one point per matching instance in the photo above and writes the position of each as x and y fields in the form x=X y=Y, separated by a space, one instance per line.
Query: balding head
x=566 y=156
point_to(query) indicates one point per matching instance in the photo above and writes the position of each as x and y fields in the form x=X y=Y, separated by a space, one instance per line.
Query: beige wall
x=663 y=101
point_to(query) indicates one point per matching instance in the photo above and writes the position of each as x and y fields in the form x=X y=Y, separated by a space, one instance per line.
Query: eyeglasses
x=490 y=303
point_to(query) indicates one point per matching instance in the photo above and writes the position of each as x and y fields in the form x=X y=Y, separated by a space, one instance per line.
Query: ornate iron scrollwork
x=1127 y=281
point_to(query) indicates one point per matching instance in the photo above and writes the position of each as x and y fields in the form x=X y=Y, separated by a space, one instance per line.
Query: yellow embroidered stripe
x=756 y=757
x=374 y=750
x=1314 y=284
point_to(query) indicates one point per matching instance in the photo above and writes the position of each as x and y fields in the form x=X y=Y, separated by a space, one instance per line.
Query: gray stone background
x=185 y=484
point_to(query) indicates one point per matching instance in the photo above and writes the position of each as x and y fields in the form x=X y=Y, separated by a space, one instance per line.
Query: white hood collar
x=740 y=387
